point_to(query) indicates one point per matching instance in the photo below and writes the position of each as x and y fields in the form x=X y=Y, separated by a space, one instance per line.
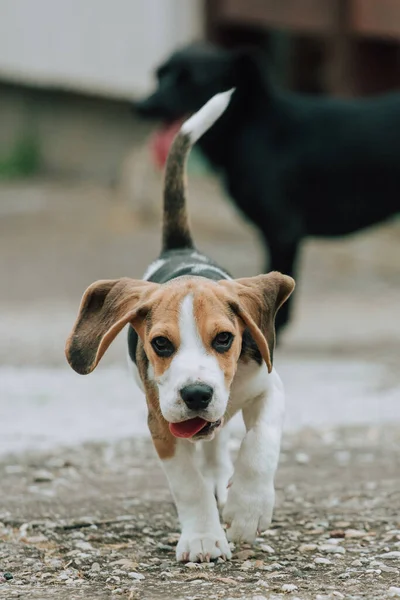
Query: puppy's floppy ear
x=106 y=307
x=256 y=300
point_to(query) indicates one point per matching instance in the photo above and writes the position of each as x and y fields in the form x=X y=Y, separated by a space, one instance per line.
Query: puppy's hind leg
x=217 y=465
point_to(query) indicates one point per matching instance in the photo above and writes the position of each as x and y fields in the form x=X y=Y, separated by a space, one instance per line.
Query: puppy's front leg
x=202 y=536
x=217 y=465
x=251 y=496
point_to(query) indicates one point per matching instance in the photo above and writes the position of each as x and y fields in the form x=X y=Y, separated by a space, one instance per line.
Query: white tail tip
x=201 y=121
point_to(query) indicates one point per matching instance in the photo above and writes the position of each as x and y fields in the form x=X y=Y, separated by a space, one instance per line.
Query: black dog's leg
x=283 y=258
x=257 y=193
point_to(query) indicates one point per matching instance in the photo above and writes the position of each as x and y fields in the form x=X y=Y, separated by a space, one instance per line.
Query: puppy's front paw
x=203 y=547
x=248 y=511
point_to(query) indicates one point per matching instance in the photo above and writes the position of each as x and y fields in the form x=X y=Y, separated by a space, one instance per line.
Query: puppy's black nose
x=197 y=396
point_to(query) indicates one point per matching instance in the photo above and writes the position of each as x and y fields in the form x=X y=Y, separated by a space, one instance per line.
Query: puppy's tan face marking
x=193 y=320
x=214 y=318
x=162 y=321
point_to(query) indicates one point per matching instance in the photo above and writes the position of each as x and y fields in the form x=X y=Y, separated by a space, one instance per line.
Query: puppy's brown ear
x=257 y=300
x=106 y=307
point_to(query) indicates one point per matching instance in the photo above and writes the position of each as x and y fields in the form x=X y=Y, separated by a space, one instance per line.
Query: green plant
x=23 y=159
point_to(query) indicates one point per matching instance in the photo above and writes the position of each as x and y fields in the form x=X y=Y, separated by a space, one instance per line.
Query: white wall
x=98 y=46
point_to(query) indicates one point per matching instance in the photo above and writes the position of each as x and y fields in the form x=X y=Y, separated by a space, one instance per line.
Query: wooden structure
x=343 y=47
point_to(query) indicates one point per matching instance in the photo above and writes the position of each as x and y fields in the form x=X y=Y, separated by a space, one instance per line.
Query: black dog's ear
x=250 y=70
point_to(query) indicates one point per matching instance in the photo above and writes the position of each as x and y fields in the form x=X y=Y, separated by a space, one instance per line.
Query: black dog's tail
x=176 y=230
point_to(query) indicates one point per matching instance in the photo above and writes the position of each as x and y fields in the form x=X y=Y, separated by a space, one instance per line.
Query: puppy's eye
x=162 y=346
x=223 y=341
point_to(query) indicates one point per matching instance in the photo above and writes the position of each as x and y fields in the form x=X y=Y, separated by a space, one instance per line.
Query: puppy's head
x=190 y=77
x=191 y=332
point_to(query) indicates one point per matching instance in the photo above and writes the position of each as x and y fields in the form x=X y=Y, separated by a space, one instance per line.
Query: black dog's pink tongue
x=161 y=141
x=187 y=429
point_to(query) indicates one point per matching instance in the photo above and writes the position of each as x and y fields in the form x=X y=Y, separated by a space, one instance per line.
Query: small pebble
x=55 y=563
x=191 y=565
x=307 y=547
x=125 y=563
x=36 y=539
x=334 y=541
x=387 y=569
x=394 y=592
x=85 y=546
x=244 y=554
x=267 y=549
x=269 y=532
x=42 y=476
x=375 y=571
x=165 y=547
x=390 y=555
x=356 y=563
x=322 y=561
x=95 y=567
x=7 y=576
x=302 y=458
x=288 y=587
x=13 y=469
x=374 y=563
x=332 y=549
x=337 y=533
x=355 y=533
x=137 y=576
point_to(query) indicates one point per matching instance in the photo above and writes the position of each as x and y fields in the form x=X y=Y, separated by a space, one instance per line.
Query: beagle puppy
x=201 y=344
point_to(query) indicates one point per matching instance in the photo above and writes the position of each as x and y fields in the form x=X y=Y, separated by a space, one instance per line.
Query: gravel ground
x=97 y=521
x=85 y=511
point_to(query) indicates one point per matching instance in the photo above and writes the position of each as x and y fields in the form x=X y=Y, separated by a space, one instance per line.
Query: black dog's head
x=190 y=77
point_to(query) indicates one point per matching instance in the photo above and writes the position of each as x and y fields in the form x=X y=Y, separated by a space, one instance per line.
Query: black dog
x=295 y=165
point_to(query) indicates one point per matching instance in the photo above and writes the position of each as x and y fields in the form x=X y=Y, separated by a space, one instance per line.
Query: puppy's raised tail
x=176 y=229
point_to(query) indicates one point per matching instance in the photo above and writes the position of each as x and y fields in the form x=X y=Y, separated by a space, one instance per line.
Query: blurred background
x=82 y=498
x=80 y=192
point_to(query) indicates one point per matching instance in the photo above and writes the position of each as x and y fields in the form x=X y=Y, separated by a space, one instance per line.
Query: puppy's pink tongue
x=187 y=429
